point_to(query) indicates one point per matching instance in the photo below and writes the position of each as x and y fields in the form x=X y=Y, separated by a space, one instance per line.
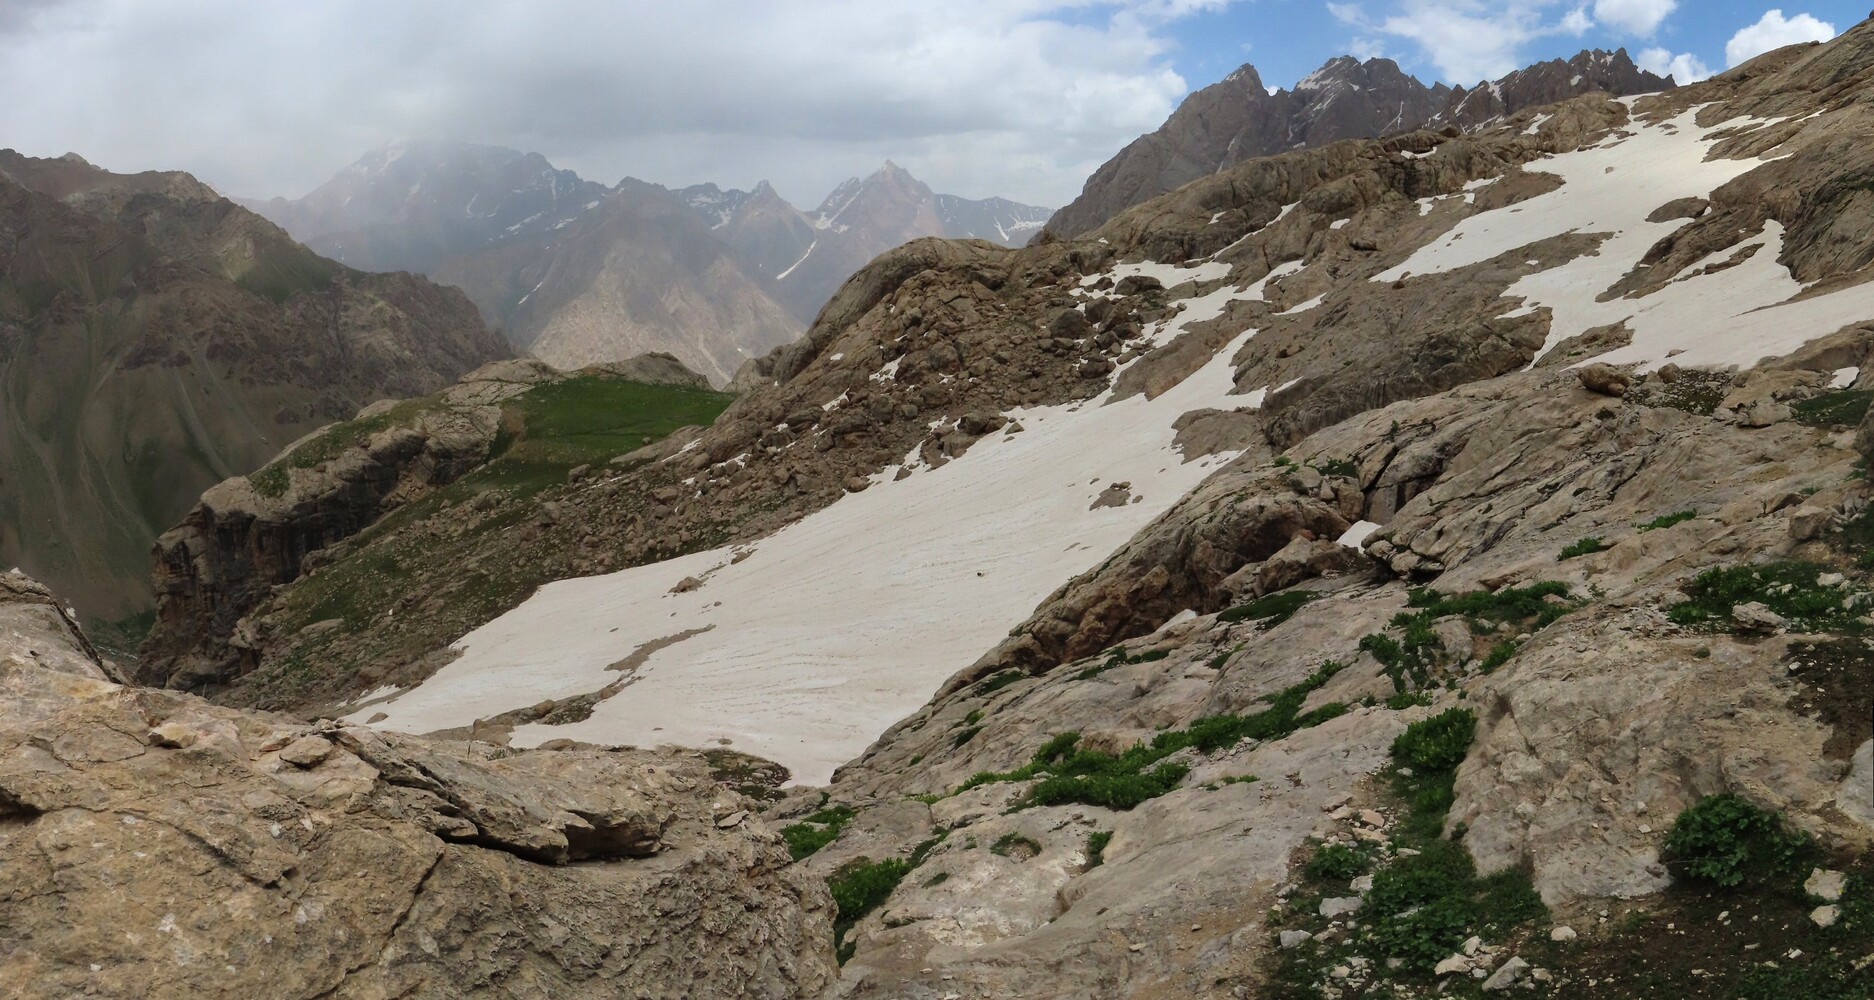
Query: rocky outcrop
x=1211 y=550
x=251 y=534
x=159 y=846
x=1595 y=734
x=1239 y=119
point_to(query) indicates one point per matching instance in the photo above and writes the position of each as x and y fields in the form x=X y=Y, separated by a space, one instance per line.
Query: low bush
x=1096 y=847
x=1790 y=589
x=815 y=831
x=1338 y=863
x=1439 y=743
x=1271 y=609
x=1586 y=546
x=1725 y=840
x=1667 y=520
x=1122 y=781
x=1499 y=655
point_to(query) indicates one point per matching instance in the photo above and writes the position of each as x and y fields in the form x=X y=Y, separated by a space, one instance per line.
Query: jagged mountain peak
x=1236 y=120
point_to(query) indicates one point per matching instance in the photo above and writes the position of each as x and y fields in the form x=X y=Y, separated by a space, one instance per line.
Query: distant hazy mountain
x=156 y=338
x=410 y=206
x=1239 y=119
x=578 y=273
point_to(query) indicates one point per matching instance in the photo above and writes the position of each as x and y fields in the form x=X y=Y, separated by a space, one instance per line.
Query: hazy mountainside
x=155 y=339
x=639 y=272
x=1417 y=566
x=410 y=206
x=1240 y=119
x=865 y=217
x=578 y=273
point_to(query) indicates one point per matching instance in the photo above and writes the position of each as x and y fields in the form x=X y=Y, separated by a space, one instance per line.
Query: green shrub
x=1585 y=546
x=966 y=735
x=1726 y=840
x=1337 y=862
x=998 y=682
x=1789 y=589
x=1096 y=847
x=1122 y=781
x=1405 y=700
x=1419 y=909
x=1271 y=609
x=1511 y=604
x=1119 y=790
x=1667 y=520
x=1439 y=743
x=860 y=886
x=1339 y=467
x=816 y=831
x=1499 y=655
x=1118 y=657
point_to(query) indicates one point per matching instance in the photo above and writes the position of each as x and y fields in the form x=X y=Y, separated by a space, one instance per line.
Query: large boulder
x=154 y=845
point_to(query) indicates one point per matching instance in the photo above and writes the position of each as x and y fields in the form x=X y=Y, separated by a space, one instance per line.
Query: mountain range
x=1239 y=118
x=156 y=338
x=1353 y=572
x=1431 y=564
x=578 y=273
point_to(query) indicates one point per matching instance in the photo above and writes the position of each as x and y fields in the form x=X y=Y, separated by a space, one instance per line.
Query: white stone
x=1825 y=916
x=1334 y=906
x=1456 y=963
x=1825 y=885
x=1507 y=974
x=1562 y=934
x=1295 y=939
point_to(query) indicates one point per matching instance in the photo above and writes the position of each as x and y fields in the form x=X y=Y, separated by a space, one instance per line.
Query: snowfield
x=1736 y=316
x=827 y=632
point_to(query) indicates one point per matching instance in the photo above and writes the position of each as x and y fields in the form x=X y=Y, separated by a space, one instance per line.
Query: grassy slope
x=549 y=431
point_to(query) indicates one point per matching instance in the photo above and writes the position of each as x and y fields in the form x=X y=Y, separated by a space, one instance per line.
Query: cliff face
x=1239 y=119
x=207 y=852
x=155 y=339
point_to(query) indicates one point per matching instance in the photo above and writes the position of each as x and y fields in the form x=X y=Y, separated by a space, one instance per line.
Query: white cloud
x=1366 y=48
x=1773 y=31
x=1472 y=40
x=1638 y=17
x=1022 y=98
x=1683 y=67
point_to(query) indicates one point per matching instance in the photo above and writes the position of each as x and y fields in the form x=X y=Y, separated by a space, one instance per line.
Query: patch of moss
x=1845 y=407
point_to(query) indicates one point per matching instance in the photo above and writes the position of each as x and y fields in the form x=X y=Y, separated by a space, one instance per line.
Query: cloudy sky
x=1021 y=98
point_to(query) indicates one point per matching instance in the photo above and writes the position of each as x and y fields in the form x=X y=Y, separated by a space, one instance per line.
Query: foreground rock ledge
x=154 y=845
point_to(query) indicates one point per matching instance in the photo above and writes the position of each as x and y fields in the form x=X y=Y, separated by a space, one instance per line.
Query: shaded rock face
x=154 y=845
x=1238 y=119
x=238 y=543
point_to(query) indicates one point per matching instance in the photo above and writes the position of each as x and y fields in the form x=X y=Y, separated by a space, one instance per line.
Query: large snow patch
x=839 y=625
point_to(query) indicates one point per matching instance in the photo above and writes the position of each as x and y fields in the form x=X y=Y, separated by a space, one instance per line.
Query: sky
x=1018 y=98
